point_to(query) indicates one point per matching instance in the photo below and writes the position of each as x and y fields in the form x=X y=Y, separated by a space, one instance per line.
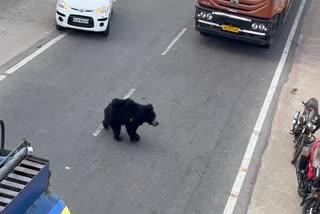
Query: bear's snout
x=155 y=123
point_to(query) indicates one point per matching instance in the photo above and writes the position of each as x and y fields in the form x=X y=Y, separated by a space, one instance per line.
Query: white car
x=88 y=15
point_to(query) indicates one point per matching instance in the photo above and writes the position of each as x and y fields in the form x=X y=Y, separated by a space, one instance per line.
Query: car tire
x=107 y=31
x=58 y=27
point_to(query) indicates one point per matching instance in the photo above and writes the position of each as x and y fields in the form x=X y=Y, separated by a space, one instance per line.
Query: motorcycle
x=302 y=166
x=304 y=126
x=311 y=202
x=308 y=176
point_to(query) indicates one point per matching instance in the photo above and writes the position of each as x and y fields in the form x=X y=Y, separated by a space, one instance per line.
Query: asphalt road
x=207 y=93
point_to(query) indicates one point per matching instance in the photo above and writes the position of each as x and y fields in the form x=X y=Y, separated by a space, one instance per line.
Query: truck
x=254 y=21
x=25 y=182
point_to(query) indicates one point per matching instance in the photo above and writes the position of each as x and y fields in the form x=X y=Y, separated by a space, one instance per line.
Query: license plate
x=230 y=28
x=79 y=20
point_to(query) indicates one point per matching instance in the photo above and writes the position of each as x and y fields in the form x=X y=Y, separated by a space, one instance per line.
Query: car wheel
x=59 y=28
x=106 y=32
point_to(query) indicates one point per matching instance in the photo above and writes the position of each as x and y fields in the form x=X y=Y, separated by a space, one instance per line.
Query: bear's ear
x=149 y=106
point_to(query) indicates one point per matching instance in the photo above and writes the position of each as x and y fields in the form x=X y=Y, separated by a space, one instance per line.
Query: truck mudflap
x=50 y=203
x=234 y=26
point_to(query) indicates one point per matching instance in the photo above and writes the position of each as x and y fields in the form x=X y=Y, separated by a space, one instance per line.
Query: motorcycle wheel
x=301 y=165
x=300 y=144
x=300 y=192
x=311 y=206
x=296 y=144
x=296 y=132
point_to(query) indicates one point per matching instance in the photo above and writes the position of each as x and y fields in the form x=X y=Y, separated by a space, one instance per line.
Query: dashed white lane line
x=233 y=197
x=99 y=129
x=130 y=92
x=35 y=54
x=174 y=41
x=2 y=77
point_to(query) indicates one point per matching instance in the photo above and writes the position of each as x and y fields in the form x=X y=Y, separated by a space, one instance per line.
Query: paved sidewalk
x=23 y=23
x=276 y=188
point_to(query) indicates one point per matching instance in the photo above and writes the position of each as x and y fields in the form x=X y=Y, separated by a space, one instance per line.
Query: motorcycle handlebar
x=305 y=104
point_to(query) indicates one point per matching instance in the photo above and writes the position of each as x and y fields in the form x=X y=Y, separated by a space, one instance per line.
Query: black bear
x=129 y=113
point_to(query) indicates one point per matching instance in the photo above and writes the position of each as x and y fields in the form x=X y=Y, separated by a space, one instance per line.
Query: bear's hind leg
x=105 y=124
x=131 y=130
x=107 y=116
x=116 y=128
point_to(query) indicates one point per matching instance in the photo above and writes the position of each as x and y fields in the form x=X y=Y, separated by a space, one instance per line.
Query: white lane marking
x=129 y=93
x=2 y=77
x=234 y=194
x=174 y=41
x=67 y=168
x=35 y=54
x=99 y=129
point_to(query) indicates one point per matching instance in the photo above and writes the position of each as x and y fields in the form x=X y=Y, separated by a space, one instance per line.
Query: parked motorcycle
x=304 y=126
x=311 y=201
x=308 y=176
x=302 y=166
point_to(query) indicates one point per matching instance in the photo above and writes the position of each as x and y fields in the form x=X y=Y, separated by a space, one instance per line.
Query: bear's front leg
x=116 y=128
x=132 y=132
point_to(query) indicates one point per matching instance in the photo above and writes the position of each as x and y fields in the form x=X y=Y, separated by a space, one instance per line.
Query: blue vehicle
x=24 y=182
